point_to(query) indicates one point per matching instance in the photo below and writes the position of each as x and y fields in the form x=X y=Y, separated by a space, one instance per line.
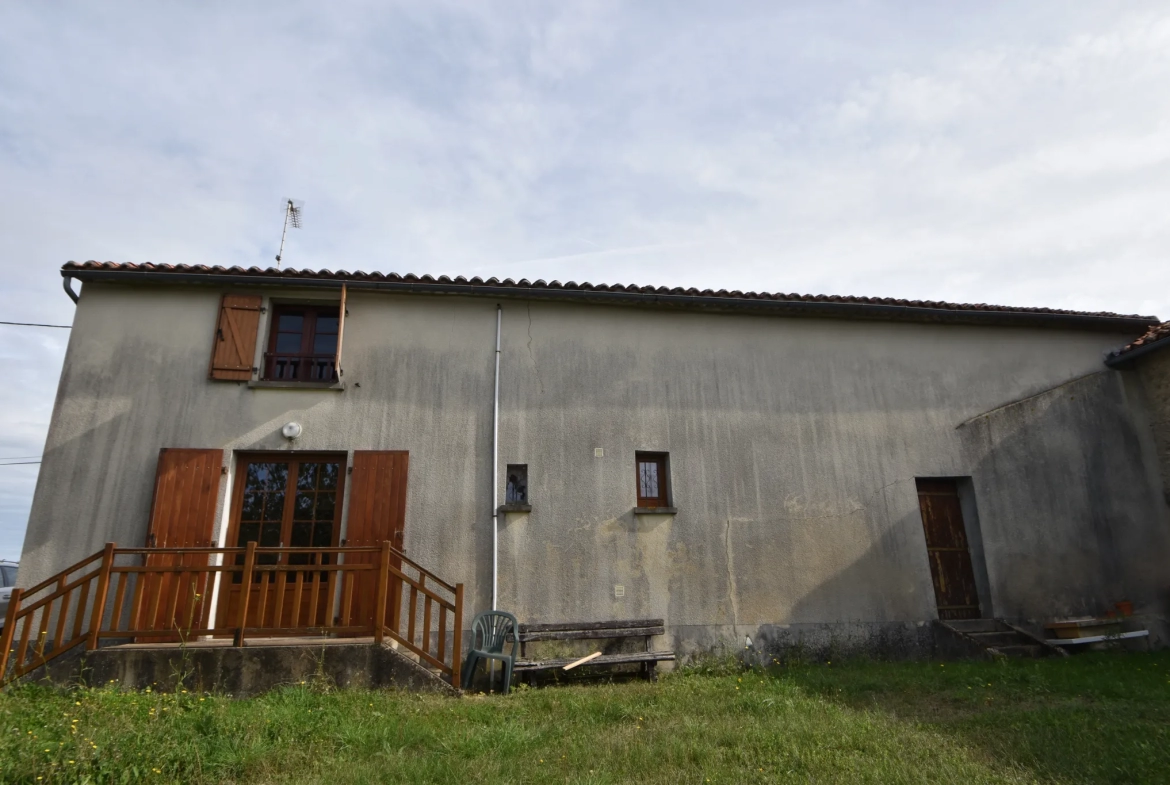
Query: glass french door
x=284 y=501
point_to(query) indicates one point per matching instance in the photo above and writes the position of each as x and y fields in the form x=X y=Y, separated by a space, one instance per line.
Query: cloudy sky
x=1016 y=153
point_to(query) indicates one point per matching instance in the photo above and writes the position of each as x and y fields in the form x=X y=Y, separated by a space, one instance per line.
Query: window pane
x=263 y=502
x=267 y=476
x=329 y=472
x=648 y=480
x=302 y=535
x=516 y=490
x=249 y=532
x=307 y=479
x=326 y=324
x=253 y=506
x=270 y=535
x=325 y=506
x=323 y=534
x=291 y=323
x=304 y=507
x=274 y=506
x=288 y=343
x=325 y=344
x=9 y=575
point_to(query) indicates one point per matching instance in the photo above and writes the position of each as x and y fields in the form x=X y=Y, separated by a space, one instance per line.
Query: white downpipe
x=496 y=465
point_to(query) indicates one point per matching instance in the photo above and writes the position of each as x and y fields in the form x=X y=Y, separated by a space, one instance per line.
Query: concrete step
x=1031 y=650
x=1000 y=638
x=974 y=625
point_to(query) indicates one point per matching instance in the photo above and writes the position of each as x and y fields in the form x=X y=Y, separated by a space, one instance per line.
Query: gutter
x=1123 y=361
x=65 y=279
x=496 y=465
x=839 y=310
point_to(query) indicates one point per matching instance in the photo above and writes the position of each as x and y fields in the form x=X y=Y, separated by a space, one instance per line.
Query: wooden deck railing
x=192 y=595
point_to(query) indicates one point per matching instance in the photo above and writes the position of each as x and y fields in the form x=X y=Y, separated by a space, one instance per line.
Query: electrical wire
x=20 y=463
x=36 y=324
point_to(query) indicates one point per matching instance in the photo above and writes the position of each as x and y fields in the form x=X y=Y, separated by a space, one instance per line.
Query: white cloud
x=986 y=153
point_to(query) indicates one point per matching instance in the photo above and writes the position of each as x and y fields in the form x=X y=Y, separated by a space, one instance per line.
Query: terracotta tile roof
x=571 y=286
x=1157 y=334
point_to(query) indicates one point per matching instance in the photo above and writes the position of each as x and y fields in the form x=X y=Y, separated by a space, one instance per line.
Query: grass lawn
x=1090 y=718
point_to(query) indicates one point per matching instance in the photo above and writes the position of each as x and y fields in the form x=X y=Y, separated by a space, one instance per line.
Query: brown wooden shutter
x=186 y=489
x=340 y=334
x=377 y=497
x=377 y=512
x=182 y=515
x=235 y=337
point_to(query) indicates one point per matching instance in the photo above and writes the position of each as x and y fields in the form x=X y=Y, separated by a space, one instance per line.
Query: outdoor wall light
x=291 y=430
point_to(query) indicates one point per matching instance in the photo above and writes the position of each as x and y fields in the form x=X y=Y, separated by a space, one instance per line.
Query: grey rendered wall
x=1080 y=456
x=794 y=444
x=1154 y=372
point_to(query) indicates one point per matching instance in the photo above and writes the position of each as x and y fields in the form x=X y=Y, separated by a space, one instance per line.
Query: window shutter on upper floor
x=340 y=333
x=235 y=337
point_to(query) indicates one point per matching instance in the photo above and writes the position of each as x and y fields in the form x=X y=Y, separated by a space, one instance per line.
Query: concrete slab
x=212 y=666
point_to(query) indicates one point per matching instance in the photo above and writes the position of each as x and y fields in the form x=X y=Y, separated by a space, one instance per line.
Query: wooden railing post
x=245 y=591
x=6 y=637
x=457 y=638
x=99 y=598
x=383 y=581
x=395 y=600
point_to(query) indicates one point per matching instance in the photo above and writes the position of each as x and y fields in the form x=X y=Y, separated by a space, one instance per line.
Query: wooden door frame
x=242 y=460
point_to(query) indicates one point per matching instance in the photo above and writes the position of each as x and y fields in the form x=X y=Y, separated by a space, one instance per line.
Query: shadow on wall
x=888 y=579
x=1071 y=519
x=68 y=482
x=95 y=485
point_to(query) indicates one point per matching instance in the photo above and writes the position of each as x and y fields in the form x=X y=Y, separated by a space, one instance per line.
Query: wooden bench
x=598 y=630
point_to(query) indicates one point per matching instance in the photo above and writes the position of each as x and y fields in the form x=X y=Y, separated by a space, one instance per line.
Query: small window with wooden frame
x=302 y=344
x=652 y=480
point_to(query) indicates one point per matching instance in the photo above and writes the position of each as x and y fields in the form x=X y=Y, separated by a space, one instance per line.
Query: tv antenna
x=293 y=214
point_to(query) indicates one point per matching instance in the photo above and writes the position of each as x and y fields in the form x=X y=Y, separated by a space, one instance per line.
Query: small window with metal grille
x=302 y=344
x=653 y=479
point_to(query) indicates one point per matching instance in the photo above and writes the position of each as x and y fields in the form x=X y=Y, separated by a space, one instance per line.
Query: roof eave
x=825 y=309
x=1127 y=360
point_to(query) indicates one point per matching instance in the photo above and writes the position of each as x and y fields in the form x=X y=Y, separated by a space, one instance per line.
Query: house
x=1152 y=366
x=826 y=472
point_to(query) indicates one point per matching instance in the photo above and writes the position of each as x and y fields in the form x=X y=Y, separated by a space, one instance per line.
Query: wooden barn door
x=182 y=515
x=377 y=512
x=948 y=550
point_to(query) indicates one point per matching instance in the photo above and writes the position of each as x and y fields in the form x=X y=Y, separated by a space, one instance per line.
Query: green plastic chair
x=489 y=632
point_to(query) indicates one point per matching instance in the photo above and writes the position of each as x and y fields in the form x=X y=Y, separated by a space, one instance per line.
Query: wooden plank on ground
x=581 y=661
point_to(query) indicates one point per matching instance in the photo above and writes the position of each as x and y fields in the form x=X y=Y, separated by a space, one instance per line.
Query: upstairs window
x=653 y=479
x=302 y=346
